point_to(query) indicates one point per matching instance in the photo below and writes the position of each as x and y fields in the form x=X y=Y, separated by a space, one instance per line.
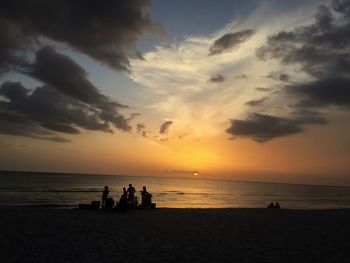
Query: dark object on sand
x=109 y=203
x=272 y=205
x=123 y=201
x=95 y=205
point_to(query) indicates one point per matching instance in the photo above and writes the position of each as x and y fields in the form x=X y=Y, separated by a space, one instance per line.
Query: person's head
x=130 y=185
x=144 y=188
x=124 y=189
x=106 y=187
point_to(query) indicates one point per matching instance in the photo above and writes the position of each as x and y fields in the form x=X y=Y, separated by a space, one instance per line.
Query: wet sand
x=174 y=235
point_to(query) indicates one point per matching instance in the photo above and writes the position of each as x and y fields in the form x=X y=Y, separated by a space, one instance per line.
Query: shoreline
x=174 y=235
x=169 y=177
x=75 y=207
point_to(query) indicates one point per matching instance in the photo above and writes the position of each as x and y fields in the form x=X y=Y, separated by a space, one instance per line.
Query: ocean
x=64 y=190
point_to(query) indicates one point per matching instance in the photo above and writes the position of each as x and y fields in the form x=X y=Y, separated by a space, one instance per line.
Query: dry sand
x=174 y=235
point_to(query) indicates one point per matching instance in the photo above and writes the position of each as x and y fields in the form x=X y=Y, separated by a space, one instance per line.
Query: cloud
x=242 y=76
x=140 y=127
x=217 y=78
x=321 y=50
x=262 y=128
x=64 y=114
x=12 y=40
x=256 y=102
x=67 y=101
x=106 y=32
x=62 y=73
x=230 y=41
x=164 y=128
x=173 y=76
x=331 y=91
x=304 y=116
x=284 y=77
x=17 y=125
x=263 y=89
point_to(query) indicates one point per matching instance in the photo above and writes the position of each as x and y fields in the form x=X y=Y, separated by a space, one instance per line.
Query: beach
x=174 y=235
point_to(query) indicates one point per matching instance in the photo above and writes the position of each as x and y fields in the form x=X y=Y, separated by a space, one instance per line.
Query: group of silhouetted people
x=128 y=199
x=272 y=205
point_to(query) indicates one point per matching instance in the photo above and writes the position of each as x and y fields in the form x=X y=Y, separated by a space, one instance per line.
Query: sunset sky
x=228 y=89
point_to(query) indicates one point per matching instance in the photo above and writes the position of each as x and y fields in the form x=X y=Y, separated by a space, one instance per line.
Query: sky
x=227 y=90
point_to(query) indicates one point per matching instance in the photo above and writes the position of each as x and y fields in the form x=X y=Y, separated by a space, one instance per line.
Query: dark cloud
x=217 y=78
x=242 y=76
x=164 y=128
x=12 y=42
x=66 y=102
x=61 y=114
x=105 y=31
x=284 y=77
x=321 y=50
x=62 y=73
x=17 y=125
x=262 y=128
x=304 y=116
x=140 y=127
x=181 y=136
x=256 y=102
x=342 y=6
x=263 y=89
x=230 y=41
x=330 y=91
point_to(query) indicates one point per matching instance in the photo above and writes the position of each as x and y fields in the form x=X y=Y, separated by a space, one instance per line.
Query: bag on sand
x=109 y=203
x=95 y=205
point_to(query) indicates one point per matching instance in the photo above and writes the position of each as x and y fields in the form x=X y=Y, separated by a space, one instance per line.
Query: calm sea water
x=67 y=190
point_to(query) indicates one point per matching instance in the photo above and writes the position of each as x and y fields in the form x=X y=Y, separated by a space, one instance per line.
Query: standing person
x=131 y=195
x=104 y=196
x=123 y=200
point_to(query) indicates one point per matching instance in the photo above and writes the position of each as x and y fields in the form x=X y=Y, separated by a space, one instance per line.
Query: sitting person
x=277 y=205
x=146 y=198
x=271 y=205
x=123 y=201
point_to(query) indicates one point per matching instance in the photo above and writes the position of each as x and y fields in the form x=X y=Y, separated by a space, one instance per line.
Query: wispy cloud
x=175 y=75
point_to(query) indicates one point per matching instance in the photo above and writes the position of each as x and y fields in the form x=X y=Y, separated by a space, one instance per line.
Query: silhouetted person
x=131 y=195
x=123 y=202
x=104 y=196
x=271 y=205
x=146 y=198
x=277 y=205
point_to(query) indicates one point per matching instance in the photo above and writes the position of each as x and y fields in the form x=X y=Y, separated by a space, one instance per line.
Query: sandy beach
x=174 y=235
